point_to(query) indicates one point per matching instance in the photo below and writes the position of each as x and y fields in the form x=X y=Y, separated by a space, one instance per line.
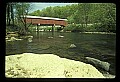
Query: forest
x=82 y=17
x=102 y=16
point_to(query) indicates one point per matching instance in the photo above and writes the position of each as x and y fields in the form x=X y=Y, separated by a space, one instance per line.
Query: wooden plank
x=46 y=21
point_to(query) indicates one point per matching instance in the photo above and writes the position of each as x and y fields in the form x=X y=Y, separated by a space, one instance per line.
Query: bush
x=79 y=28
x=74 y=28
x=69 y=27
x=104 y=27
x=91 y=28
x=12 y=28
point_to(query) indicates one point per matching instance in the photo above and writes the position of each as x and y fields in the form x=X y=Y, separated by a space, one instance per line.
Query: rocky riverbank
x=30 y=65
x=14 y=36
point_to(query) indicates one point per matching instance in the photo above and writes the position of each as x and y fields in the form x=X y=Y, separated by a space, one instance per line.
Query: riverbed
x=99 y=46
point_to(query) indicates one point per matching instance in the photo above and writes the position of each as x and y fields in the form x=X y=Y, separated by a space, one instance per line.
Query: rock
x=109 y=76
x=6 y=38
x=30 y=36
x=60 y=36
x=30 y=39
x=72 y=46
x=13 y=39
x=30 y=65
x=12 y=34
x=98 y=63
x=50 y=37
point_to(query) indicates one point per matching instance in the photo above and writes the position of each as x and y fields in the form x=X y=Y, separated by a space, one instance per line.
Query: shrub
x=74 y=28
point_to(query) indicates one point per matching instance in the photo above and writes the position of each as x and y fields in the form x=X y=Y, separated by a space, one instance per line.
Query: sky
x=40 y=6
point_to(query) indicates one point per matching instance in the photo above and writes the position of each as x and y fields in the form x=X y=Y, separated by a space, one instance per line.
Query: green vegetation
x=82 y=17
x=90 y=28
x=101 y=15
x=14 y=21
x=74 y=28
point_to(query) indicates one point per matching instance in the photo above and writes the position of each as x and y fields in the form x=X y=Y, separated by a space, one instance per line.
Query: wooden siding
x=46 y=21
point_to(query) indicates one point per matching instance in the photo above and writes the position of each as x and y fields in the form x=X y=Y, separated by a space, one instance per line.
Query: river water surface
x=100 y=46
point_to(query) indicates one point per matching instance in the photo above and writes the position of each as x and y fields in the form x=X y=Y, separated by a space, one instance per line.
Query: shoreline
x=91 y=32
x=98 y=32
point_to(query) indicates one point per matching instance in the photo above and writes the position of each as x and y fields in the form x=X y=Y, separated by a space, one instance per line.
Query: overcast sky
x=40 y=6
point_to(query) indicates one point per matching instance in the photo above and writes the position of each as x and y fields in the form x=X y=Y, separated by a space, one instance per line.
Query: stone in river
x=61 y=36
x=72 y=46
x=98 y=63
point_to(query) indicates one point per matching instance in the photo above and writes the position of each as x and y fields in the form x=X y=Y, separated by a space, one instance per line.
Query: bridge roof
x=49 y=18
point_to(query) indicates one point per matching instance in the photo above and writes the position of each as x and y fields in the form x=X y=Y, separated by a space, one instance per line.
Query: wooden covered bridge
x=37 y=20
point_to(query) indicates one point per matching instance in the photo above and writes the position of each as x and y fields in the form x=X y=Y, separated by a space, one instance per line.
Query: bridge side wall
x=46 y=21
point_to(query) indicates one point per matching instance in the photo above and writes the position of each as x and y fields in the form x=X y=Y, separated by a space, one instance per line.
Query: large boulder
x=29 y=65
x=98 y=63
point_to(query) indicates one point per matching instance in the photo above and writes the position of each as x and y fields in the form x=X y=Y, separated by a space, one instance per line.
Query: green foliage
x=10 y=28
x=9 y=13
x=84 y=14
x=101 y=15
x=74 y=28
x=18 y=28
x=69 y=27
x=14 y=21
x=36 y=13
x=90 y=28
x=78 y=28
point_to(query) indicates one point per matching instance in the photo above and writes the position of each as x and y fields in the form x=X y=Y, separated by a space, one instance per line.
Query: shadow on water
x=99 y=46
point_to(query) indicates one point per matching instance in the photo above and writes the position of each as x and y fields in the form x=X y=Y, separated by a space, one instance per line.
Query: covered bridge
x=46 y=21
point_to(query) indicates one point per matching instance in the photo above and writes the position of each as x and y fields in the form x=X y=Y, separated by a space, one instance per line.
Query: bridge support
x=53 y=29
x=37 y=28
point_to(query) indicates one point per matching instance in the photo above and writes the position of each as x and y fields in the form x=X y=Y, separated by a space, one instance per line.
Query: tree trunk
x=8 y=14
x=12 y=14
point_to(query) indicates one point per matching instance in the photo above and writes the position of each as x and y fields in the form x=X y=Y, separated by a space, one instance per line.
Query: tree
x=35 y=13
x=22 y=10
x=10 y=13
x=102 y=14
x=110 y=17
x=106 y=16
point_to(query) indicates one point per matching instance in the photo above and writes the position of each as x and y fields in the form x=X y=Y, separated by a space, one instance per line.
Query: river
x=100 y=46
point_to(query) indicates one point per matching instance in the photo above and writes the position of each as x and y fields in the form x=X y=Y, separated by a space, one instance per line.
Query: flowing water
x=100 y=46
